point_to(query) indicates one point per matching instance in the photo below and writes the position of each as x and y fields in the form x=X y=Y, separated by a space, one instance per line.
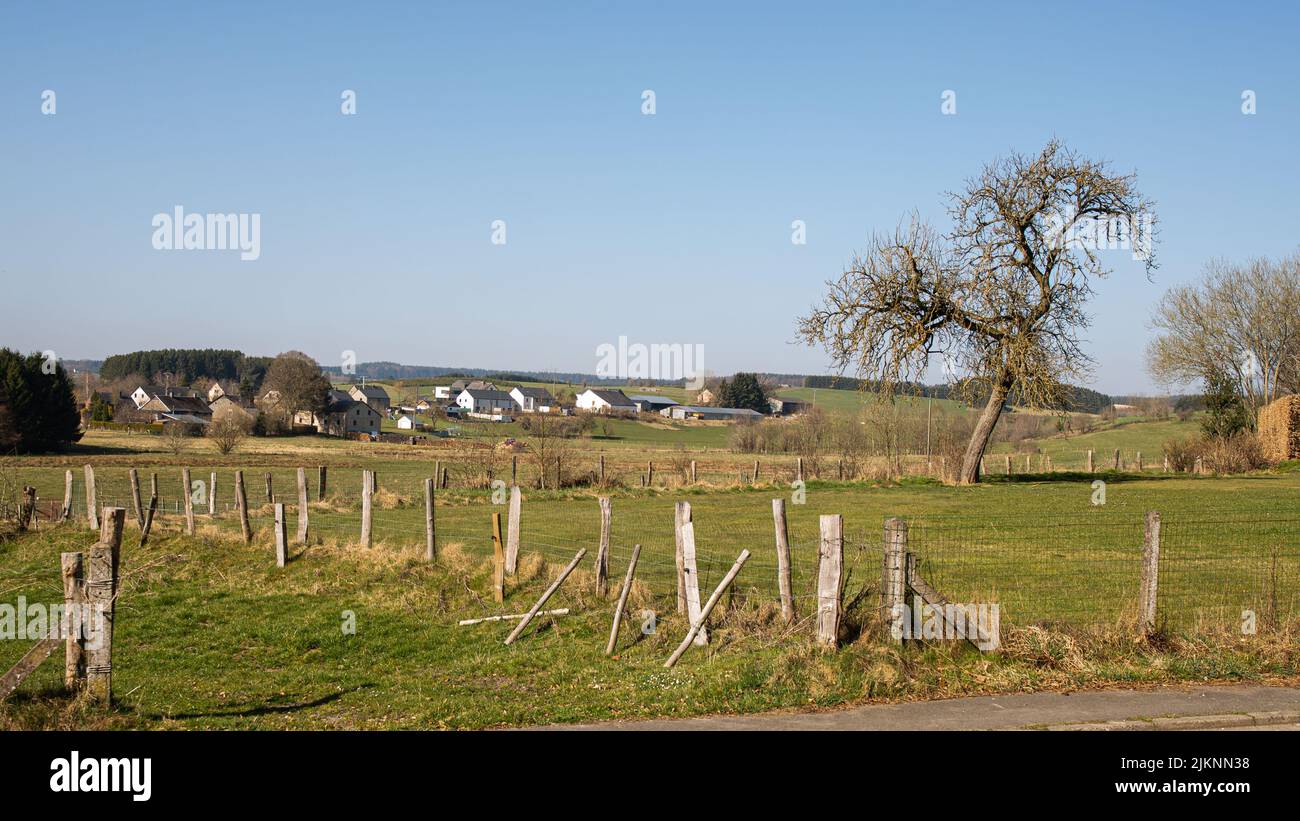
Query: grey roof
x=186 y=418
x=183 y=404
x=711 y=409
x=536 y=393
x=654 y=400
x=480 y=393
x=614 y=397
x=342 y=405
x=371 y=391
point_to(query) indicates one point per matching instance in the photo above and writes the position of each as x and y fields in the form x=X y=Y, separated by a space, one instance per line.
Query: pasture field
x=212 y=634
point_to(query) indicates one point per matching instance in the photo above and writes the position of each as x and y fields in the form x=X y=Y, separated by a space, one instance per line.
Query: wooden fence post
x=1150 y=574
x=829 y=579
x=498 y=561
x=681 y=517
x=600 y=470
x=755 y=471
x=1117 y=462
x=1139 y=461
x=135 y=496
x=602 y=555
x=281 y=536
x=92 y=501
x=893 y=581
x=270 y=494
x=66 y=513
x=74 y=619
x=241 y=503
x=622 y=599
x=188 y=500
x=650 y=474
x=697 y=625
x=512 y=531
x=693 y=474
x=799 y=474
x=783 y=560
x=148 y=518
x=1090 y=461
x=322 y=476
x=1008 y=464
x=27 y=507
x=367 y=490
x=303 y=522
x=692 y=581
x=430 y=542
x=212 y=494
x=101 y=596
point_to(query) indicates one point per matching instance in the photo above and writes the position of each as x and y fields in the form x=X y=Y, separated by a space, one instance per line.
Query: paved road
x=1167 y=708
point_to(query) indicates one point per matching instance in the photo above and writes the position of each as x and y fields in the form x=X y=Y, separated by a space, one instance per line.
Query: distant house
x=702 y=412
x=424 y=406
x=704 y=397
x=604 y=401
x=374 y=396
x=188 y=409
x=787 y=407
x=217 y=390
x=482 y=400
x=651 y=404
x=343 y=416
x=533 y=400
x=225 y=403
x=454 y=389
x=144 y=393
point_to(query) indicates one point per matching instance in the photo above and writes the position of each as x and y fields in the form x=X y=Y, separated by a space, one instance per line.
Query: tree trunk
x=979 y=438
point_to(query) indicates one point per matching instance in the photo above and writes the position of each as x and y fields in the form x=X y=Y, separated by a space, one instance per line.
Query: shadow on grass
x=1108 y=476
x=263 y=709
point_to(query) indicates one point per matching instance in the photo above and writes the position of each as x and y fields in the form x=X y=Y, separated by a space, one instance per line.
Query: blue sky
x=376 y=228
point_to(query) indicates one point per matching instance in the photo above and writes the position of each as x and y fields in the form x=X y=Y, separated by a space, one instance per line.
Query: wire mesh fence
x=1079 y=571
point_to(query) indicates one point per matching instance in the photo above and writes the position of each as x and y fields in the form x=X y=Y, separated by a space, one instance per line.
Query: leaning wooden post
x=101 y=598
x=241 y=503
x=602 y=555
x=75 y=622
x=1150 y=574
x=148 y=518
x=893 y=581
x=622 y=599
x=66 y=513
x=692 y=583
x=512 y=531
x=135 y=496
x=92 y=502
x=681 y=517
x=755 y=481
x=322 y=476
x=498 y=561
x=430 y=542
x=188 y=501
x=829 y=579
x=281 y=536
x=783 y=561
x=367 y=489
x=303 y=523
x=1117 y=463
x=555 y=585
x=697 y=625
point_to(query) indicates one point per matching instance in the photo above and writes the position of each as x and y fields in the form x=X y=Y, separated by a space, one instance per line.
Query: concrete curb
x=1210 y=722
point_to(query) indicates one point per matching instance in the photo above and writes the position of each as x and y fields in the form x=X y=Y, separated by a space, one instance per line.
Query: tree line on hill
x=182 y=366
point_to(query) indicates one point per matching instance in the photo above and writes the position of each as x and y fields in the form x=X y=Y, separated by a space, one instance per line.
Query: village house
x=190 y=410
x=343 y=416
x=604 y=401
x=225 y=403
x=374 y=396
x=144 y=393
x=533 y=400
x=450 y=392
x=484 y=401
x=407 y=422
x=704 y=397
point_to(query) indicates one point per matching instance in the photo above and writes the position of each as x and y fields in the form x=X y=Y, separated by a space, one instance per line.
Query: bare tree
x=229 y=429
x=301 y=384
x=1000 y=296
x=1239 y=321
x=176 y=437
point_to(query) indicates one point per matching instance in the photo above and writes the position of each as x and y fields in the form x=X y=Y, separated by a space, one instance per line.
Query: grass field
x=211 y=634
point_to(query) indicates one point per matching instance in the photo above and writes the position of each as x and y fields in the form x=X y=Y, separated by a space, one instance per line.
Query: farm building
x=787 y=407
x=405 y=422
x=484 y=401
x=704 y=397
x=343 y=416
x=225 y=403
x=651 y=404
x=604 y=401
x=1279 y=429
x=165 y=408
x=702 y=412
x=533 y=400
x=375 y=397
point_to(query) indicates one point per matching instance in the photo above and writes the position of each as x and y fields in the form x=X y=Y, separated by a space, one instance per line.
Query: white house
x=477 y=400
x=604 y=401
x=405 y=422
x=533 y=400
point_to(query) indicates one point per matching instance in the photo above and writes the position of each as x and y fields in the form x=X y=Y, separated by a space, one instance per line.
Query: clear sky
x=376 y=228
